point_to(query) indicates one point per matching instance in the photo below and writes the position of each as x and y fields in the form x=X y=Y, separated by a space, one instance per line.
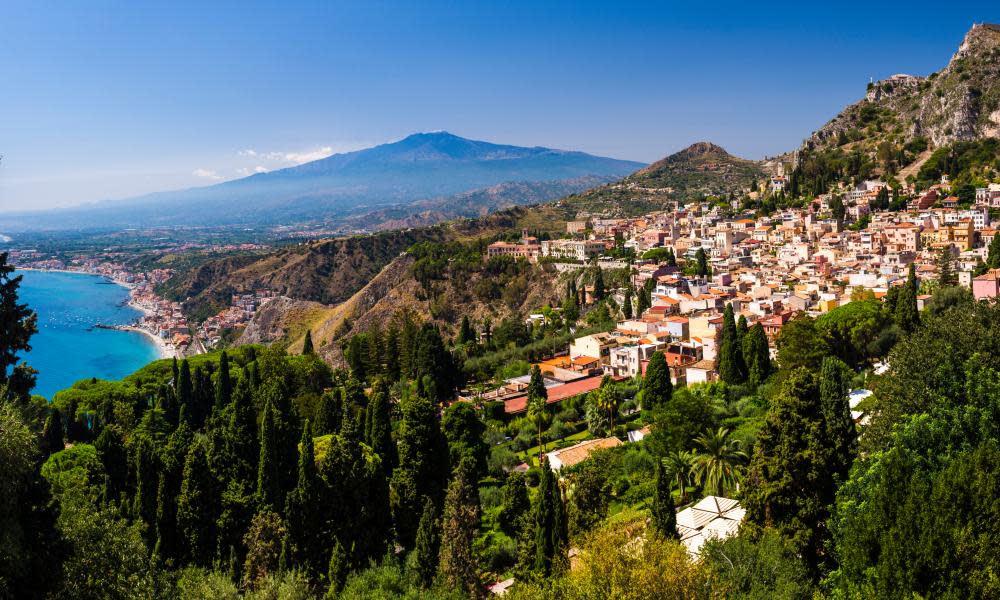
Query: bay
x=68 y=347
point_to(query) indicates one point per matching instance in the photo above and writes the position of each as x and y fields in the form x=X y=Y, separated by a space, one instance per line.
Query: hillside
x=421 y=167
x=701 y=169
x=959 y=103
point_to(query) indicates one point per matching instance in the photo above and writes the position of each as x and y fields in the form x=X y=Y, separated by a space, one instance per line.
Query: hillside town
x=768 y=268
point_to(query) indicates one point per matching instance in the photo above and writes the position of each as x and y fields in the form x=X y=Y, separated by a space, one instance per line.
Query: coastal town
x=162 y=321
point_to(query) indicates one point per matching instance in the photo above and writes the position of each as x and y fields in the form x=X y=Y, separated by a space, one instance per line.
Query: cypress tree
x=993 y=257
x=537 y=399
x=545 y=523
x=423 y=465
x=224 y=384
x=426 y=547
x=378 y=428
x=756 y=355
x=598 y=284
x=657 y=388
x=268 y=477
x=328 y=415
x=730 y=355
x=790 y=483
x=233 y=440
x=840 y=431
x=465 y=332
x=741 y=332
x=52 y=434
x=195 y=507
x=663 y=512
x=391 y=351
x=307 y=343
x=185 y=388
x=907 y=315
x=458 y=531
x=303 y=510
x=627 y=304
x=701 y=263
x=145 y=466
x=337 y=571
x=174 y=372
x=112 y=454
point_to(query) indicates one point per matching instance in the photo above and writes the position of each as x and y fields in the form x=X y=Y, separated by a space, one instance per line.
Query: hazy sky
x=106 y=100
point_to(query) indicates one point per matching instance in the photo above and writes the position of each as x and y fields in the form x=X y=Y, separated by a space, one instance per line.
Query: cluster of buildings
x=800 y=260
x=241 y=309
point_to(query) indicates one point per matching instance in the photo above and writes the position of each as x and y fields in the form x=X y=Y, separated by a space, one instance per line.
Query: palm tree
x=681 y=465
x=608 y=400
x=720 y=458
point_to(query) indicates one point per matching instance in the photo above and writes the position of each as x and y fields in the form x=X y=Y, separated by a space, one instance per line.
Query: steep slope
x=959 y=103
x=700 y=169
x=420 y=167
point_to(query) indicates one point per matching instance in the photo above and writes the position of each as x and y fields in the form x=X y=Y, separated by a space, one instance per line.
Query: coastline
x=163 y=349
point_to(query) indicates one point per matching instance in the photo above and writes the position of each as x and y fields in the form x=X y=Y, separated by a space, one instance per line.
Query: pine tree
x=304 y=510
x=515 y=504
x=52 y=434
x=663 y=512
x=657 y=388
x=428 y=542
x=307 y=343
x=196 y=508
x=840 y=432
x=947 y=276
x=268 y=476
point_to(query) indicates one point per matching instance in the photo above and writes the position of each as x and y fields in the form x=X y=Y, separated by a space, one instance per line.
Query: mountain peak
x=980 y=39
x=701 y=148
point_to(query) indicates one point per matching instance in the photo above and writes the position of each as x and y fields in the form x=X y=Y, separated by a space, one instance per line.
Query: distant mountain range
x=426 y=168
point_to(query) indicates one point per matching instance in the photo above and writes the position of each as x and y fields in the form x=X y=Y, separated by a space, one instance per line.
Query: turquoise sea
x=68 y=347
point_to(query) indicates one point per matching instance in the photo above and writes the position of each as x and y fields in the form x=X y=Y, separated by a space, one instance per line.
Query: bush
x=489 y=497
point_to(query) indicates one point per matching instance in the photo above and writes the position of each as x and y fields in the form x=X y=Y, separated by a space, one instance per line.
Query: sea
x=68 y=347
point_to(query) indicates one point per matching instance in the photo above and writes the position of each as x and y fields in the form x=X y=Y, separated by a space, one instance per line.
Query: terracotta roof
x=580 y=452
x=556 y=393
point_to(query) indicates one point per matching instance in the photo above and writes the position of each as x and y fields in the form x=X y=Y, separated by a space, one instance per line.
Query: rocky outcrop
x=960 y=102
x=275 y=320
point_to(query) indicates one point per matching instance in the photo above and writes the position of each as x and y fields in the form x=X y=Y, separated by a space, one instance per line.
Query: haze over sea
x=68 y=347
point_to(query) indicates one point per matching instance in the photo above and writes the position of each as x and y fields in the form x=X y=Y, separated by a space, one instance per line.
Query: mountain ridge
x=419 y=167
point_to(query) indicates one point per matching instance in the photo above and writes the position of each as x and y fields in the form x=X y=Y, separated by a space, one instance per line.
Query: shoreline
x=163 y=349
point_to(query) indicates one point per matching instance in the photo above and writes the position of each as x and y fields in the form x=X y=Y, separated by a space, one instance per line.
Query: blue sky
x=112 y=99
